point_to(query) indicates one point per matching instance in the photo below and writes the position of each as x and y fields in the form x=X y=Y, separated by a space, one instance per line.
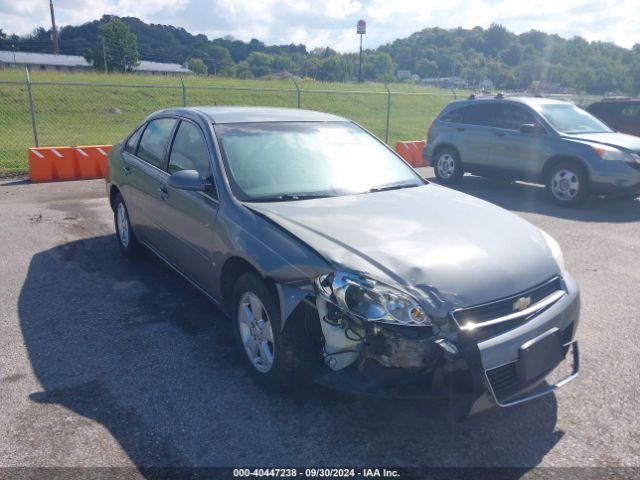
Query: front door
x=190 y=217
x=513 y=153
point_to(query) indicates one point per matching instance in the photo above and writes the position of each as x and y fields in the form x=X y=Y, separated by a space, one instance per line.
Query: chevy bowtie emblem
x=521 y=303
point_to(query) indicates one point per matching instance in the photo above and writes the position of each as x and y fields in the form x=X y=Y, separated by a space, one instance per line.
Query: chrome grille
x=487 y=312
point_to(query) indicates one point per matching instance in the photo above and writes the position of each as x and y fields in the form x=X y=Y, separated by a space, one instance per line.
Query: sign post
x=361 y=29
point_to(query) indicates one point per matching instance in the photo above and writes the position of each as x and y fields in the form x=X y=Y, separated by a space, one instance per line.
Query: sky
x=322 y=23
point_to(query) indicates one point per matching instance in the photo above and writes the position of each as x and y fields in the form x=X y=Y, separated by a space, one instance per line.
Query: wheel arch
x=233 y=268
x=557 y=159
x=446 y=145
x=113 y=193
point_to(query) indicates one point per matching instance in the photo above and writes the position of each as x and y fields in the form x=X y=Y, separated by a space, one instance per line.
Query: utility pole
x=56 y=44
x=104 y=56
x=361 y=30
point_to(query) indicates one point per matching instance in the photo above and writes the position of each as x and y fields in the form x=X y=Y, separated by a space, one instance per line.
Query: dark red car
x=621 y=114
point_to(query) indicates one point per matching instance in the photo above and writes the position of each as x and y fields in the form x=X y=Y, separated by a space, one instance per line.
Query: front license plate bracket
x=540 y=355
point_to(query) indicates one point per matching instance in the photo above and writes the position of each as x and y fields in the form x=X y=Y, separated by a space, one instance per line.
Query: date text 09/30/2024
x=316 y=472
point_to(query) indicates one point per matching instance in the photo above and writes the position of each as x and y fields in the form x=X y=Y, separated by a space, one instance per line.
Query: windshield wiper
x=392 y=186
x=285 y=197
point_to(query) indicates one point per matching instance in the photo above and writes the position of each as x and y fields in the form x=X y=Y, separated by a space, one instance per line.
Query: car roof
x=232 y=114
x=531 y=101
x=618 y=100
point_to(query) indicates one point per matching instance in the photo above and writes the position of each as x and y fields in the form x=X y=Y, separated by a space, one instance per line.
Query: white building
x=43 y=61
x=157 y=68
x=76 y=63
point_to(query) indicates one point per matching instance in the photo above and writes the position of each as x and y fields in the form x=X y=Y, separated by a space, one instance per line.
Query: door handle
x=164 y=193
x=460 y=129
x=126 y=170
x=499 y=134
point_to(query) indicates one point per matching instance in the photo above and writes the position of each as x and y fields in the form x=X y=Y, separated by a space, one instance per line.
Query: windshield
x=296 y=160
x=567 y=118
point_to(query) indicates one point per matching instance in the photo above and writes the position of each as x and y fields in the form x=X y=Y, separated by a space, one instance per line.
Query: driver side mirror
x=530 y=128
x=187 y=180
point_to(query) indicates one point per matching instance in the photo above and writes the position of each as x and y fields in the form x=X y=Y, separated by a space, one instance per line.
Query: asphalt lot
x=109 y=362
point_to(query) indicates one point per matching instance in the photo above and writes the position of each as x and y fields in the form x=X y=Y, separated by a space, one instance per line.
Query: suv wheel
x=567 y=184
x=448 y=167
x=124 y=233
x=275 y=357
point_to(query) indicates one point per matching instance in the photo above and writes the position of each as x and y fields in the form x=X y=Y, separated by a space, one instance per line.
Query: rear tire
x=447 y=166
x=127 y=240
x=277 y=359
x=567 y=184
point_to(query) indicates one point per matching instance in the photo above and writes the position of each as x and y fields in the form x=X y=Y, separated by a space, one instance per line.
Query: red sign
x=362 y=27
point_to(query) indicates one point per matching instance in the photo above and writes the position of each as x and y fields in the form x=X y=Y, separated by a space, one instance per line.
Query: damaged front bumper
x=488 y=367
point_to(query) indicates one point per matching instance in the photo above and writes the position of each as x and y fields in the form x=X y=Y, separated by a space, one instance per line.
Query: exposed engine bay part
x=398 y=347
x=343 y=340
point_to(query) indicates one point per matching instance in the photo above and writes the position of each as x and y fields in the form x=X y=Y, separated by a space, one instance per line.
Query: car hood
x=619 y=140
x=432 y=241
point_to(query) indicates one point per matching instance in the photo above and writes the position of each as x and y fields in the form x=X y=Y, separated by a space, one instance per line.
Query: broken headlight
x=370 y=300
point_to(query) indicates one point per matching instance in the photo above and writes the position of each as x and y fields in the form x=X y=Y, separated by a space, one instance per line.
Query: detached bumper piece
x=507 y=387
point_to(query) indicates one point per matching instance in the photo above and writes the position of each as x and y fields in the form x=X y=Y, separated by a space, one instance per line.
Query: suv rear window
x=454 y=116
x=478 y=114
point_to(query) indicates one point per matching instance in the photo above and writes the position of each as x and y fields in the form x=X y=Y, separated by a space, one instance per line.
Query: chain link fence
x=42 y=113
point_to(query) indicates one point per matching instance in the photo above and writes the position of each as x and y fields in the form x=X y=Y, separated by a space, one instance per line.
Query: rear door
x=513 y=153
x=474 y=139
x=147 y=179
x=190 y=217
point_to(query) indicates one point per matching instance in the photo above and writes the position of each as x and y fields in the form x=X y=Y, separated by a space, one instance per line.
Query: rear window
x=154 y=140
x=479 y=114
x=454 y=116
x=631 y=110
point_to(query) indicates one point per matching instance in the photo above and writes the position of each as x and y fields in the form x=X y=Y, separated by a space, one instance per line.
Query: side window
x=189 y=151
x=478 y=114
x=454 y=116
x=132 y=143
x=154 y=140
x=631 y=111
x=512 y=117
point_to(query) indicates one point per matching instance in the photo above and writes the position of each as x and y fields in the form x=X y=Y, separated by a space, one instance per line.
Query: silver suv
x=534 y=139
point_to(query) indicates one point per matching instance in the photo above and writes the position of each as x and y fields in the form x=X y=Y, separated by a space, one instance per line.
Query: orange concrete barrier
x=68 y=163
x=92 y=160
x=52 y=163
x=411 y=152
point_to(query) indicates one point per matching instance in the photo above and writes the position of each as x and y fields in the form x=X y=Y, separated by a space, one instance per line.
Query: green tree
x=121 y=47
x=243 y=70
x=197 y=66
x=260 y=64
x=332 y=69
x=425 y=68
x=219 y=61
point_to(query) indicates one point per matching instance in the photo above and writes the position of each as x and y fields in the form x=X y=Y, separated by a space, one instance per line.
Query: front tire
x=567 y=184
x=127 y=240
x=447 y=166
x=274 y=356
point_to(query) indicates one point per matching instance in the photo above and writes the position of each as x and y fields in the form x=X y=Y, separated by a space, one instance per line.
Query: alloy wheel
x=122 y=225
x=256 y=332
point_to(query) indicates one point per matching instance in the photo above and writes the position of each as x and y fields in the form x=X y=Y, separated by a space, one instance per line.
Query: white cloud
x=332 y=22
